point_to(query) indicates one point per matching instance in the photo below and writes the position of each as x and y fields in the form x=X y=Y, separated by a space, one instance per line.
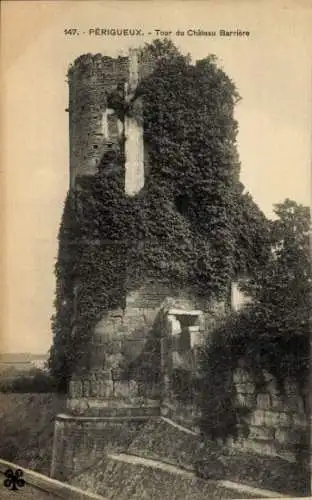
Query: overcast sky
x=272 y=71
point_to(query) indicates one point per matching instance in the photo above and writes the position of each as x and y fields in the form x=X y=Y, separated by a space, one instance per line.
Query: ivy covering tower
x=155 y=212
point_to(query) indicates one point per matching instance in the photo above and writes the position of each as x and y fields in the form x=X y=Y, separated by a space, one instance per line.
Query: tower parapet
x=93 y=128
x=95 y=125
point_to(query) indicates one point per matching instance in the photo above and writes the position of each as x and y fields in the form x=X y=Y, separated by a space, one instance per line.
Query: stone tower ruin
x=158 y=323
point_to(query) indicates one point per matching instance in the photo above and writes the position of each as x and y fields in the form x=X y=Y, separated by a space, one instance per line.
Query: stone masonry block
x=122 y=389
x=133 y=312
x=238 y=376
x=111 y=347
x=264 y=401
x=257 y=418
x=268 y=377
x=285 y=419
x=271 y=418
x=250 y=388
x=105 y=389
x=241 y=376
x=131 y=349
x=246 y=388
x=261 y=433
x=291 y=387
x=295 y=403
x=281 y=436
x=288 y=436
x=300 y=420
x=287 y=455
x=272 y=388
x=278 y=402
x=260 y=447
x=164 y=411
x=245 y=400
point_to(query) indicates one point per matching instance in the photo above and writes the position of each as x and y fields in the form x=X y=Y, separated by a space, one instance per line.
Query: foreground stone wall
x=79 y=443
x=273 y=419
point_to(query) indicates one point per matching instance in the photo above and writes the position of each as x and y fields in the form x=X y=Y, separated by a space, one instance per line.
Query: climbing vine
x=191 y=225
x=273 y=333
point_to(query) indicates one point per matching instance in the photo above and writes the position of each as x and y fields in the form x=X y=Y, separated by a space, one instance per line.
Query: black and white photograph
x=155 y=254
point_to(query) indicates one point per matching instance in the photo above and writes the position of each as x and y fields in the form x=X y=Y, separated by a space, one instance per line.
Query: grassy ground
x=26 y=428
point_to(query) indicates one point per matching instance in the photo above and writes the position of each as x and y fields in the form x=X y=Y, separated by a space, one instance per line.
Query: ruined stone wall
x=127 y=331
x=94 y=127
x=105 y=412
x=91 y=78
x=132 y=350
x=79 y=443
x=274 y=418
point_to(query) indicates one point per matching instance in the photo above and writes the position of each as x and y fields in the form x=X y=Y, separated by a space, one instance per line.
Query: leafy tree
x=281 y=290
x=273 y=331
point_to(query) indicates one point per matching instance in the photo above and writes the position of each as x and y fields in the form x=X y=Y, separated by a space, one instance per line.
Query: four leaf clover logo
x=14 y=479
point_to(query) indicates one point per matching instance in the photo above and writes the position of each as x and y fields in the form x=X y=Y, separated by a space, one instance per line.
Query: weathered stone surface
x=268 y=377
x=272 y=388
x=291 y=387
x=285 y=419
x=300 y=420
x=261 y=447
x=257 y=418
x=241 y=376
x=295 y=403
x=287 y=455
x=278 y=402
x=264 y=401
x=85 y=387
x=77 y=406
x=196 y=338
x=108 y=388
x=289 y=436
x=262 y=433
x=122 y=389
x=271 y=418
x=132 y=348
x=245 y=400
x=245 y=388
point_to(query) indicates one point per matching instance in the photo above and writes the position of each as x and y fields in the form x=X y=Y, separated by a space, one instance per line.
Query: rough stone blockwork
x=91 y=79
x=276 y=420
x=79 y=444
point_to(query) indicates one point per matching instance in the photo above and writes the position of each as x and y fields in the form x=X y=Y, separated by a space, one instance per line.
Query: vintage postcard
x=155 y=222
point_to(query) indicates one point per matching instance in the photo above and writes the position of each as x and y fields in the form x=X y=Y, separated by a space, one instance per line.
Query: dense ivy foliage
x=191 y=225
x=273 y=333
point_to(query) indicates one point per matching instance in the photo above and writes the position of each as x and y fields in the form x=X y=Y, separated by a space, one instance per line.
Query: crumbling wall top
x=89 y=63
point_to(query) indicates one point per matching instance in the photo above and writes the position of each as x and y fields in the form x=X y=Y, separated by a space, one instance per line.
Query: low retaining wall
x=80 y=442
x=273 y=420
